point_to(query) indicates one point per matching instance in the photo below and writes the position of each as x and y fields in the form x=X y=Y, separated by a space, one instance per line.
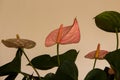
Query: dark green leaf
x=70 y=55
x=67 y=71
x=45 y=62
x=12 y=67
x=49 y=76
x=11 y=76
x=114 y=60
x=96 y=74
x=108 y=21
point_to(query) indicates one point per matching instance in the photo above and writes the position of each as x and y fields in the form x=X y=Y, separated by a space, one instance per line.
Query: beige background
x=34 y=19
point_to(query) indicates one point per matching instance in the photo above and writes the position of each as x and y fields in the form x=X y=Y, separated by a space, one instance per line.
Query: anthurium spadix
x=64 y=35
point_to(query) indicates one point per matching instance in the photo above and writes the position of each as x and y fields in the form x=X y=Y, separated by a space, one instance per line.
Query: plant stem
x=31 y=64
x=117 y=44
x=94 y=63
x=117 y=38
x=58 y=58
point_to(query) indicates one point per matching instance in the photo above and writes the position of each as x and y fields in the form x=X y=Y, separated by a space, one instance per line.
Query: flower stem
x=117 y=38
x=58 y=58
x=94 y=63
x=31 y=64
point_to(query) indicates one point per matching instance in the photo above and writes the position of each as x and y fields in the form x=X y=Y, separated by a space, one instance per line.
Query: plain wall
x=35 y=19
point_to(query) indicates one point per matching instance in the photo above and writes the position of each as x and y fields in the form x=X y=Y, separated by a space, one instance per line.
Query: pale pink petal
x=91 y=55
x=102 y=54
x=51 y=38
x=71 y=34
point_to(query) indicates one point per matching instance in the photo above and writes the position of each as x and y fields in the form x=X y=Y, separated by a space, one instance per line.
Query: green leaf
x=12 y=67
x=49 y=76
x=108 y=21
x=67 y=71
x=45 y=62
x=96 y=74
x=11 y=76
x=114 y=60
x=70 y=55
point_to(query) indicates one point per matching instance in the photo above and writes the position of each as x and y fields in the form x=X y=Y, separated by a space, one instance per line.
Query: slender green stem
x=58 y=58
x=117 y=44
x=94 y=63
x=31 y=64
x=117 y=38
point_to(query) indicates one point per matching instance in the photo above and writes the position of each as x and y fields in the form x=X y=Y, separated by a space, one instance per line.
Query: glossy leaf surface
x=67 y=71
x=45 y=62
x=96 y=74
x=12 y=67
x=108 y=21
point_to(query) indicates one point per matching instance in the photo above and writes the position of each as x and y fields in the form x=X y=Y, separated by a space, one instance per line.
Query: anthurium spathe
x=99 y=54
x=18 y=43
x=64 y=35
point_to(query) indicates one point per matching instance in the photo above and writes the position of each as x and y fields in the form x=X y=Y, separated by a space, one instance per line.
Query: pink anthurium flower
x=99 y=54
x=64 y=35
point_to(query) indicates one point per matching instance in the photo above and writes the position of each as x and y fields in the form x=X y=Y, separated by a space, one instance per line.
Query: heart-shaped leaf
x=96 y=74
x=108 y=21
x=12 y=67
x=67 y=71
x=45 y=62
